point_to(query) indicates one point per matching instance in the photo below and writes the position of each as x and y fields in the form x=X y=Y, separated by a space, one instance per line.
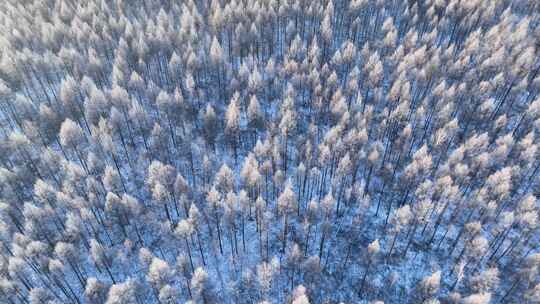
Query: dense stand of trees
x=269 y=151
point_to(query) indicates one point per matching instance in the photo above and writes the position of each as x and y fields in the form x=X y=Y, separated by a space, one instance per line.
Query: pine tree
x=125 y=292
x=232 y=124
x=95 y=291
x=203 y=289
x=138 y=138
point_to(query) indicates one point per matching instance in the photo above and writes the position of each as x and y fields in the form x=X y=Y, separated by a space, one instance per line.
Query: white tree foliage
x=269 y=151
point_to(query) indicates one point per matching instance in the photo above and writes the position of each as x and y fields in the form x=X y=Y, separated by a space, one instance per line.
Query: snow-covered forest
x=269 y=151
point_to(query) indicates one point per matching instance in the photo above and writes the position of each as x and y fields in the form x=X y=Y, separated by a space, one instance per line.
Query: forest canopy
x=269 y=151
